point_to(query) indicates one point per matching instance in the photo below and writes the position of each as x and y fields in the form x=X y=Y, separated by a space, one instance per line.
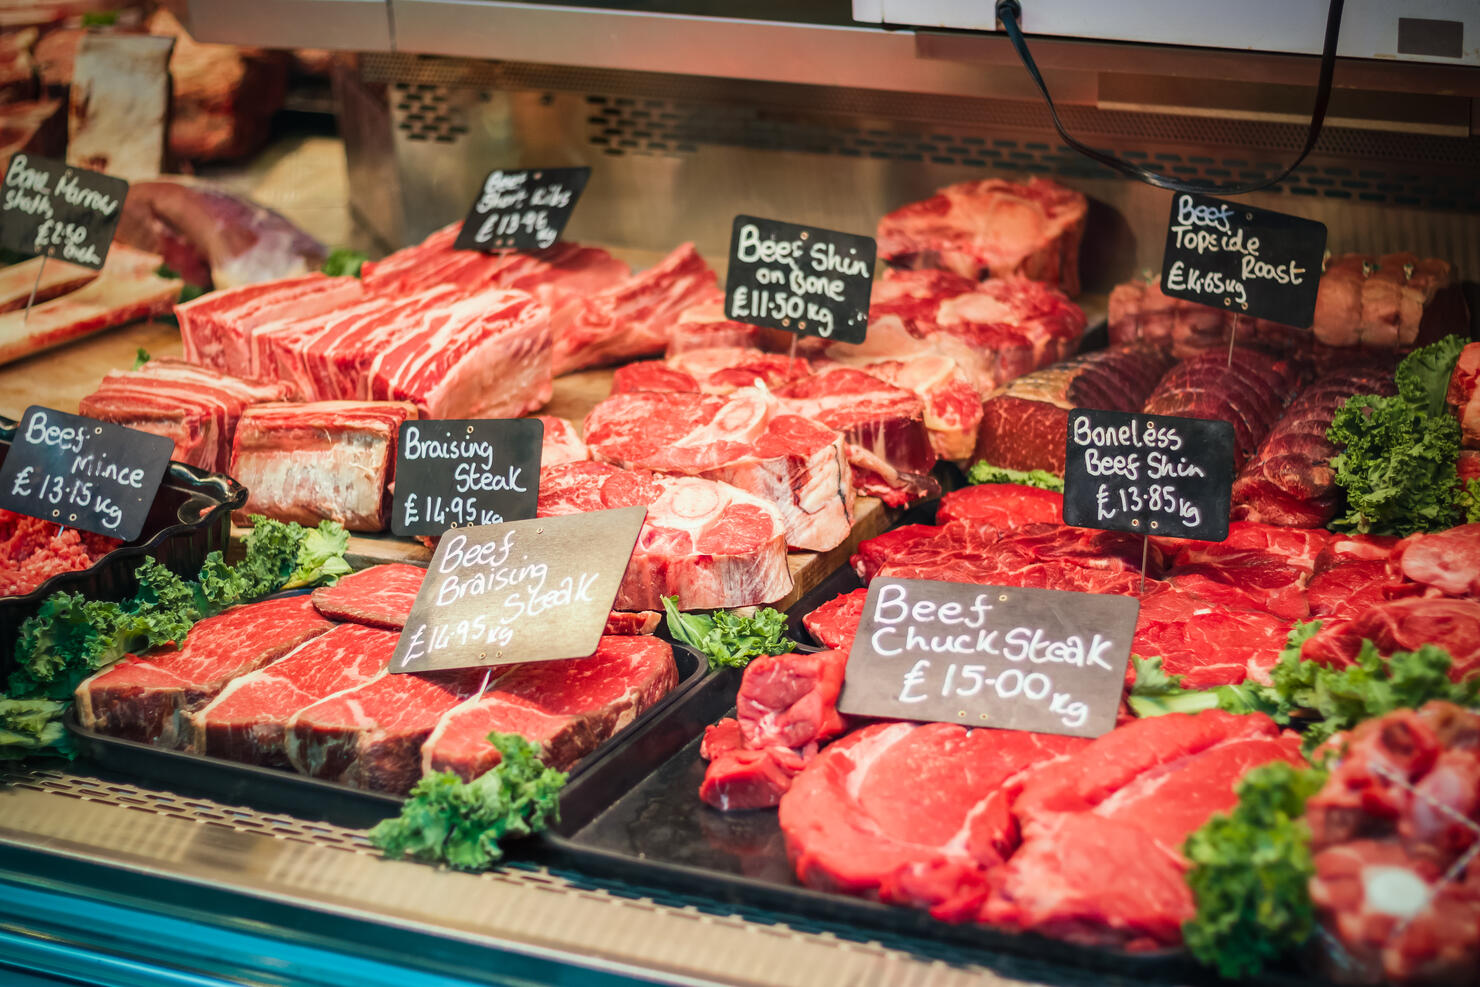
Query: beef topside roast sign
x=83 y=473
x=1254 y=262
x=990 y=656
x=52 y=208
x=537 y=590
x=1148 y=474
x=522 y=209
x=450 y=474
x=805 y=280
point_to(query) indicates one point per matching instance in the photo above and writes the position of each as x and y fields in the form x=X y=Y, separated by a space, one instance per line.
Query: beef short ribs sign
x=536 y=590
x=83 y=473
x=1254 y=262
x=990 y=656
x=799 y=278
x=450 y=474
x=52 y=208
x=1150 y=474
x=522 y=210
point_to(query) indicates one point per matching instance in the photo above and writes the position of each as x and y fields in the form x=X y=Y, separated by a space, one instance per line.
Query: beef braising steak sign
x=522 y=209
x=1254 y=262
x=1149 y=474
x=537 y=590
x=52 y=208
x=83 y=473
x=990 y=656
x=805 y=280
x=450 y=474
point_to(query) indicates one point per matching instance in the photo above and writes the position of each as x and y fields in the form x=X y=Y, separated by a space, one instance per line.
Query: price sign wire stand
x=26 y=317
x=1145 y=551
x=1232 y=335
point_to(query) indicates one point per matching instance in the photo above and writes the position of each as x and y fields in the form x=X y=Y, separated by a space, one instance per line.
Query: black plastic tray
x=276 y=790
x=190 y=518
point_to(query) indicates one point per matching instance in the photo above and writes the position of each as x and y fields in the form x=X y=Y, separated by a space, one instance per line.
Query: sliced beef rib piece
x=217 y=328
x=746 y=440
x=148 y=698
x=380 y=596
x=710 y=544
x=248 y=720
x=567 y=707
x=991 y=227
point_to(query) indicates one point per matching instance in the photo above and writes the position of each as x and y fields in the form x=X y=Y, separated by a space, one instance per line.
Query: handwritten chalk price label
x=522 y=209
x=537 y=590
x=990 y=656
x=1150 y=474
x=1254 y=262
x=451 y=474
x=805 y=280
x=83 y=473
x=52 y=208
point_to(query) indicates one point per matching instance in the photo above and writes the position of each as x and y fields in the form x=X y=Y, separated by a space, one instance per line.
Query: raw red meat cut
x=746 y=440
x=33 y=550
x=1377 y=302
x=1207 y=644
x=651 y=375
x=560 y=444
x=1247 y=579
x=327 y=459
x=1447 y=561
x=1001 y=506
x=1403 y=625
x=567 y=707
x=248 y=720
x=835 y=623
x=708 y=543
x=216 y=328
x=791 y=700
x=1249 y=392
x=631 y=623
x=1289 y=481
x=953 y=409
x=703 y=325
x=722 y=369
x=991 y=227
x=1461 y=396
x=914 y=296
x=371 y=736
x=634 y=317
x=912 y=815
x=1352 y=573
x=1102 y=830
x=380 y=596
x=1025 y=425
x=740 y=778
x=147 y=699
x=1005 y=328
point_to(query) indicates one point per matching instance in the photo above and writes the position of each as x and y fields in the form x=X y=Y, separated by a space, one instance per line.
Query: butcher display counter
x=688 y=116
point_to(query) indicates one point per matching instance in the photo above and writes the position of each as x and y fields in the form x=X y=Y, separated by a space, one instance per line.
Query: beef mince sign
x=806 y=280
x=990 y=656
x=52 y=208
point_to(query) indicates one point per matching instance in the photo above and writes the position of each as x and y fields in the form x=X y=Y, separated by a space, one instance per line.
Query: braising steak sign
x=522 y=209
x=1254 y=262
x=450 y=474
x=806 y=280
x=990 y=656
x=1148 y=474
x=52 y=208
x=537 y=590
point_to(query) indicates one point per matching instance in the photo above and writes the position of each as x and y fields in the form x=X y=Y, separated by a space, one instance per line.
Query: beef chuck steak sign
x=537 y=590
x=806 y=280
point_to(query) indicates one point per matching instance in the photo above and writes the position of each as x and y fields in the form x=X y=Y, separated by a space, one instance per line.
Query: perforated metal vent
x=423 y=112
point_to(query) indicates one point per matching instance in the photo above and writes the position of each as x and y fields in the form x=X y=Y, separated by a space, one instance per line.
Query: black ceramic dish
x=273 y=790
x=190 y=518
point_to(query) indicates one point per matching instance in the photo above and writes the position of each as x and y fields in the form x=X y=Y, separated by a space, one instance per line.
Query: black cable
x=1008 y=12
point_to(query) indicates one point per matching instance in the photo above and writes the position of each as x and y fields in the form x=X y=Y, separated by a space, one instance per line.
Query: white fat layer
x=1395 y=891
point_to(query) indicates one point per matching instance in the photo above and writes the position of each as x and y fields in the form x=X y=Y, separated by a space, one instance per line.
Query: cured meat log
x=148 y=699
x=1249 y=391
x=746 y=440
x=991 y=227
x=1025 y=424
x=1377 y=301
x=326 y=459
x=710 y=544
x=1397 y=884
x=1289 y=481
x=195 y=408
x=126 y=290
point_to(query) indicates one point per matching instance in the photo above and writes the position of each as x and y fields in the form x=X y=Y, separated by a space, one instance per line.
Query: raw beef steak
x=746 y=440
x=835 y=623
x=1447 y=562
x=567 y=707
x=791 y=700
x=991 y=227
x=248 y=720
x=1001 y=506
x=912 y=815
x=1403 y=625
x=1207 y=644
x=380 y=596
x=326 y=459
x=560 y=444
x=738 y=777
x=146 y=699
x=708 y=543
x=704 y=325
x=1462 y=395
x=1005 y=328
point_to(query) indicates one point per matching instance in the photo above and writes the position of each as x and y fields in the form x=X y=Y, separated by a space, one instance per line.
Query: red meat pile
x=33 y=550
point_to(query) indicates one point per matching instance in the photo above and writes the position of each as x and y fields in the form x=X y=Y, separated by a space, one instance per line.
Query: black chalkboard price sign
x=990 y=656
x=83 y=473
x=1150 y=474
x=537 y=590
x=522 y=209
x=450 y=474
x=1254 y=262
x=51 y=208
x=805 y=280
